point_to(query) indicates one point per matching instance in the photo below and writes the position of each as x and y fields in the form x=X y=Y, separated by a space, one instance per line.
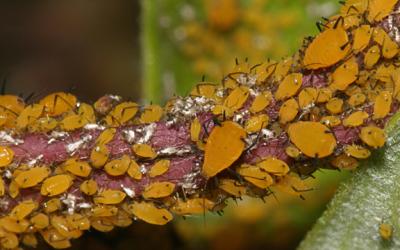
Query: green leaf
x=370 y=197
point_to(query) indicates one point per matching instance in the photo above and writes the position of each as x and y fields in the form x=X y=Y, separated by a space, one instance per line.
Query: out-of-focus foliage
x=204 y=37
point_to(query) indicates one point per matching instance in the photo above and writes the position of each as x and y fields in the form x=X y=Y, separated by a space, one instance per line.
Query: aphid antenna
x=273 y=195
x=255 y=66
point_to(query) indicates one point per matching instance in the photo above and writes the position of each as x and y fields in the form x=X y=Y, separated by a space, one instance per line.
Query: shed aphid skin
x=68 y=166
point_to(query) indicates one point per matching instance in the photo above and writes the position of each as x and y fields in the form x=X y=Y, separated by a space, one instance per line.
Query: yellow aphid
x=292 y=151
x=6 y=156
x=121 y=114
x=61 y=225
x=32 y=177
x=334 y=105
x=344 y=161
x=151 y=113
x=324 y=95
x=106 y=136
x=323 y=141
x=389 y=48
x=102 y=224
x=99 y=155
x=78 y=168
x=224 y=146
x=204 y=89
x=379 y=35
x=78 y=222
x=357 y=151
x=104 y=211
x=88 y=187
x=122 y=219
x=232 y=187
x=331 y=121
x=352 y=90
x=10 y=107
x=55 y=239
x=159 y=168
x=282 y=69
x=373 y=136
x=158 y=190
x=372 y=56
x=382 y=105
x=134 y=170
x=384 y=72
x=195 y=129
x=9 y=241
x=149 y=213
x=144 y=150
x=261 y=101
x=362 y=36
x=86 y=112
x=192 y=206
x=43 y=124
x=292 y=184
x=56 y=185
x=52 y=205
x=328 y=48
x=235 y=100
x=109 y=197
x=379 y=9
x=357 y=99
x=345 y=74
x=289 y=86
x=385 y=231
x=255 y=175
x=307 y=97
x=288 y=111
x=72 y=122
x=274 y=166
x=13 y=189
x=256 y=123
x=118 y=166
x=264 y=71
x=14 y=225
x=57 y=103
x=30 y=240
x=355 y=119
x=29 y=115
x=23 y=209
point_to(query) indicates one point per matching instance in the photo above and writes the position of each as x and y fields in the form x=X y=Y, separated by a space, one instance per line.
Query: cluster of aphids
x=68 y=166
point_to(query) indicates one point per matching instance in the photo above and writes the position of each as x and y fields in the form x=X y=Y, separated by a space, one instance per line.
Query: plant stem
x=151 y=72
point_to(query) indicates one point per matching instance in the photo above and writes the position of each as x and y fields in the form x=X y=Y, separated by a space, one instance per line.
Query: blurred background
x=92 y=48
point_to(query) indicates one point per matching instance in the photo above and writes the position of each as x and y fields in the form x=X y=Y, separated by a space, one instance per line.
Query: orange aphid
x=256 y=123
x=144 y=150
x=357 y=151
x=261 y=102
x=355 y=119
x=204 y=89
x=288 y=111
x=78 y=168
x=362 y=37
x=6 y=156
x=323 y=142
x=379 y=9
x=56 y=185
x=192 y=206
x=158 y=190
x=32 y=176
x=109 y=197
x=118 y=167
x=307 y=97
x=373 y=136
x=232 y=187
x=151 y=113
x=159 y=168
x=344 y=161
x=224 y=146
x=331 y=120
x=255 y=175
x=345 y=74
x=149 y=213
x=134 y=170
x=274 y=166
x=372 y=56
x=328 y=48
x=382 y=105
x=88 y=187
x=121 y=114
x=289 y=86
x=58 y=103
x=195 y=129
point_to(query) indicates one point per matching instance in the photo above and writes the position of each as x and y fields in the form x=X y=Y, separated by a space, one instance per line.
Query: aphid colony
x=69 y=166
